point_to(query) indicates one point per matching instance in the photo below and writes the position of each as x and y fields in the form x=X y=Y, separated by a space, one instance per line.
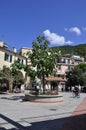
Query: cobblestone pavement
x=17 y=114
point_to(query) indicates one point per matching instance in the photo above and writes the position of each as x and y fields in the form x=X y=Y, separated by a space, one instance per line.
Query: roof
x=6 y=50
x=55 y=79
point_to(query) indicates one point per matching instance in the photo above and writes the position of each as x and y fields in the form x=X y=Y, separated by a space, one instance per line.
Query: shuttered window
x=20 y=61
x=8 y=57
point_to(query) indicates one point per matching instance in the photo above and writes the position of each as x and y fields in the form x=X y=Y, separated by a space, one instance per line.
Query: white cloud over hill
x=54 y=38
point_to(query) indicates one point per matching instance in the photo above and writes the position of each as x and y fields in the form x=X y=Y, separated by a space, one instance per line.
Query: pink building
x=65 y=64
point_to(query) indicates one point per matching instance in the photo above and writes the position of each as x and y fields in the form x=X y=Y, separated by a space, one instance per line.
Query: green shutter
x=22 y=61
x=18 y=60
x=10 y=58
x=5 y=56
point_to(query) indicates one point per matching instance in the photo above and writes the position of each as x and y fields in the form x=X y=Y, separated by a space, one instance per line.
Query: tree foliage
x=6 y=73
x=43 y=58
x=30 y=72
x=76 y=76
x=17 y=66
x=82 y=66
x=11 y=75
x=81 y=50
x=69 y=50
x=16 y=71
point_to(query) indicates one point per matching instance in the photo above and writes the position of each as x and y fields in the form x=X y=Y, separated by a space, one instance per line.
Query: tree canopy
x=82 y=66
x=43 y=58
x=77 y=75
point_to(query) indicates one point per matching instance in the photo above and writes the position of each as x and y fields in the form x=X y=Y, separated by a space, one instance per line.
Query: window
x=59 y=75
x=68 y=61
x=8 y=57
x=20 y=61
x=63 y=60
x=59 y=67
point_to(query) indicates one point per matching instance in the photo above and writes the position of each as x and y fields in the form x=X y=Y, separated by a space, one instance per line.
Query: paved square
x=23 y=115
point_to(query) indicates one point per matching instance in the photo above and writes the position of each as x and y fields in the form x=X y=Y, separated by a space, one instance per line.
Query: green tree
x=82 y=66
x=81 y=50
x=43 y=58
x=11 y=75
x=75 y=77
x=7 y=74
x=31 y=73
x=18 y=76
x=16 y=66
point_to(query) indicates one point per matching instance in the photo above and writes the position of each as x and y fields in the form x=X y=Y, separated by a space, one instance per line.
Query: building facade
x=8 y=57
x=64 y=64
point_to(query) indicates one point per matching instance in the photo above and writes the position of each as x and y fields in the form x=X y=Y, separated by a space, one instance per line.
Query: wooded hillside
x=73 y=50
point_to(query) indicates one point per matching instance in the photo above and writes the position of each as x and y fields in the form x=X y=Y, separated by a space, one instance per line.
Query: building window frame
x=8 y=57
x=20 y=61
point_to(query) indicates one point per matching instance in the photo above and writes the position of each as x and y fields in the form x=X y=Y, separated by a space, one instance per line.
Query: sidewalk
x=77 y=121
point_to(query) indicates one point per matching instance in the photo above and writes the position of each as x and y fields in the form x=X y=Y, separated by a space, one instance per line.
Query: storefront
x=56 y=83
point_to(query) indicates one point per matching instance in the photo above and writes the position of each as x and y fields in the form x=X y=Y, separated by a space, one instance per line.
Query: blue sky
x=62 y=22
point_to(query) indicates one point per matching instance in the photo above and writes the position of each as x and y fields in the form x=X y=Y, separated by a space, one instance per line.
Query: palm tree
x=11 y=76
x=7 y=74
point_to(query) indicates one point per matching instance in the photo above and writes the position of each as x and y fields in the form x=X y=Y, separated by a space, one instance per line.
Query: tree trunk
x=10 y=85
x=26 y=75
x=43 y=80
x=31 y=83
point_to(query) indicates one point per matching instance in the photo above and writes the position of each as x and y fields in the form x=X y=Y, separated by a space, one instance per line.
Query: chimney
x=1 y=44
x=14 y=49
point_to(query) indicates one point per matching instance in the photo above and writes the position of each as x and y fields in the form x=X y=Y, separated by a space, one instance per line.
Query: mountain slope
x=71 y=50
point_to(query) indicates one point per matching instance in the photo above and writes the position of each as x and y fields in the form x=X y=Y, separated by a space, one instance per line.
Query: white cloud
x=76 y=30
x=55 y=38
x=69 y=42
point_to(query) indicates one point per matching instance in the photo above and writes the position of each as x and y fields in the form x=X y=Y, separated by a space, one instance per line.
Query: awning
x=55 y=79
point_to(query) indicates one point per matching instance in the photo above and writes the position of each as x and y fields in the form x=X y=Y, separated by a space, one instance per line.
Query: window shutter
x=22 y=61
x=5 y=55
x=10 y=58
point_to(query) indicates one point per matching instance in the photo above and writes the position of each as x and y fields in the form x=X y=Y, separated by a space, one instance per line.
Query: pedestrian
x=22 y=87
x=73 y=88
x=76 y=91
x=79 y=87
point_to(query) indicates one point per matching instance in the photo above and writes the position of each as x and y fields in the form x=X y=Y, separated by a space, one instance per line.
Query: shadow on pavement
x=13 y=98
x=77 y=122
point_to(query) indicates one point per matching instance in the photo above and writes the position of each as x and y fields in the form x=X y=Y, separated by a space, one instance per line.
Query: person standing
x=79 y=87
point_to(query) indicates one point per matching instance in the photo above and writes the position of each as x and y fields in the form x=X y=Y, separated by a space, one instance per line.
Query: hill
x=79 y=49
